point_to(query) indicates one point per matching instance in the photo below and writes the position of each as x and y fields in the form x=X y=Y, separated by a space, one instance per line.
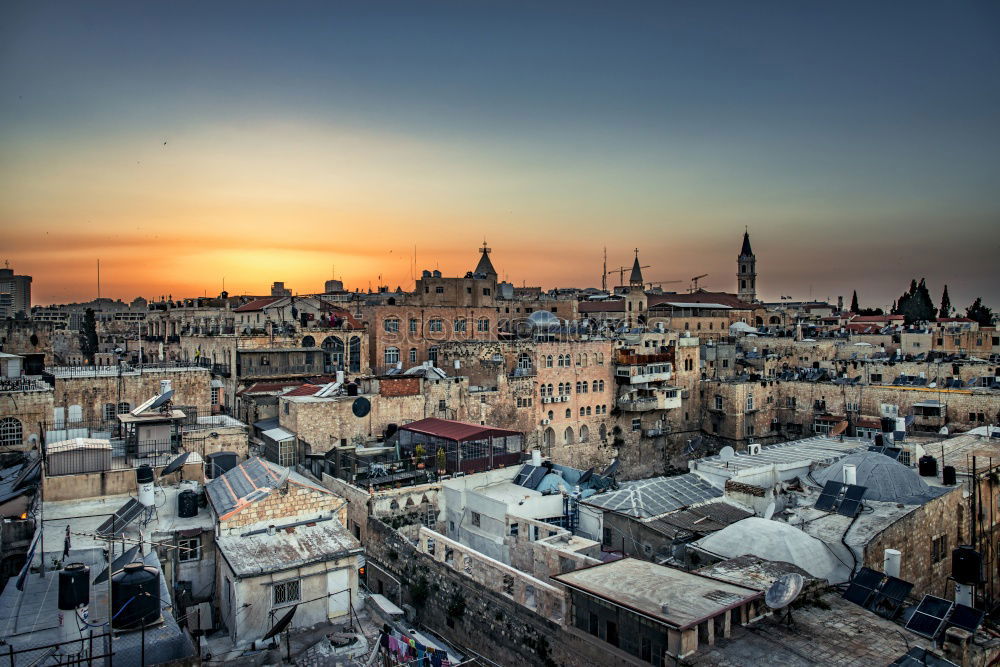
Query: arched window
x=600 y=385
x=588 y=410
x=560 y=388
x=391 y=355
x=460 y=325
x=584 y=433
x=524 y=361
x=11 y=432
x=110 y=412
x=483 y=324
x=568 y=436
x=551 y=415
x=595 y=386
x=308 y=341
x=435 y=325
x=550 y=389
x=548 y=361
x=549 y=437
x=584 y=385
x=569 y=413
x=600 y=358
x=391 y=324
x=432 y=355
x=603 y=432
x=354 y=354
x=413 y=355
x=584 y=358
x=333 y=352
x=582 y=411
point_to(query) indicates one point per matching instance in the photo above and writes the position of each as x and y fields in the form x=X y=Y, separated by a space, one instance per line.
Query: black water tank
x=879 y=440
x=352 y=389
x=888 y=424
x=219 y=463
x=948 y=476
x=927 y=466
x=144 y=474
x=135 y=596
x=74 y=586
x=966 y=565
x=187 y=503
x=390 y=430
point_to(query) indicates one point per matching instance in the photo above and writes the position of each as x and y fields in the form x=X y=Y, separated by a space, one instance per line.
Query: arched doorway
x=308 y=341
x=549 y=438
x=584 y=433
x=568 y=436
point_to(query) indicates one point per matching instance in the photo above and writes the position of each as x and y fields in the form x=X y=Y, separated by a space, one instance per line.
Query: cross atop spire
x=485 y=266
x=635 y=278
x=746 y=251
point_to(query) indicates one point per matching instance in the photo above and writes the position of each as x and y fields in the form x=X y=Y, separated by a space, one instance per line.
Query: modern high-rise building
x=18 y=289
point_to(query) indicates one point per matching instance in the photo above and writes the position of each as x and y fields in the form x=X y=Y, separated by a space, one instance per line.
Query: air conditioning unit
x=546 y=399
x=565 y=399
x=753 y=448
x=545 y=422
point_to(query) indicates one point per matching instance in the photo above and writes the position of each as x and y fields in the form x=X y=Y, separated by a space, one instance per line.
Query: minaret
x=746 y=273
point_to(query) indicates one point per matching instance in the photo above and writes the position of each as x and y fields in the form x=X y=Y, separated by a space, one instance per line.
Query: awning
x=278 y=434
x=265 y=424
x=216 y=384
x=928 y=404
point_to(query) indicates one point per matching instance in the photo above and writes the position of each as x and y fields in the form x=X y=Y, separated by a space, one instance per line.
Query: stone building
x=746 y=274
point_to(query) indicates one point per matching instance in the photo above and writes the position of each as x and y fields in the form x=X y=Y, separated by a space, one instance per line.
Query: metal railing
x=23 y=383
x=123 y=368
x=277 y=371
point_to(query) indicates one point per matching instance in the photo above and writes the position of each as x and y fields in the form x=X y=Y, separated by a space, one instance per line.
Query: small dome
x=886 y=479
x=543 y=319
x=776 y=541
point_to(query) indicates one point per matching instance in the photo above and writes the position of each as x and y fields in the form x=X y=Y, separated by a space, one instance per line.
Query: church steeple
x=485 y=266
x=746 y=271
x=635 y=278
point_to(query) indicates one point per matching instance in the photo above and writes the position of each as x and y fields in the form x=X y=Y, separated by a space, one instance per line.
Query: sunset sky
x=186 y=142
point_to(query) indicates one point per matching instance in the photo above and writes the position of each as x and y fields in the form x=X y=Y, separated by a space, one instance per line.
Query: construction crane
x=694 y=282
x=663 y=282
x=621 y=272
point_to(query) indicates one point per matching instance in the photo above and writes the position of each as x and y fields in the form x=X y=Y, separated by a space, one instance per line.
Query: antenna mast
x=604 y=271
x=98 y=277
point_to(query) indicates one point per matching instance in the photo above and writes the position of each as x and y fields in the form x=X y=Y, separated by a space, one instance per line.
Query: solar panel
x=523 y=475
x=918 y=656
x=849 y=508
x=855 y=492
x=864 y=583
x=966 y=617
x=828 y=498
x=893 y=452
x=890 y=597
x=928 y=618
x=535 y=478
x=123 y=517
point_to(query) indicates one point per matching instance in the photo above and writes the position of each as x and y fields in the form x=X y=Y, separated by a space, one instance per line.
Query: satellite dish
x=944 y=430
x=585 y=477
x=282 y=478
x=784 y=590
x=281 y=624
x=727 y=453
x=175 y=465
x=769 y=512
x=611 y=469
x=361 y=407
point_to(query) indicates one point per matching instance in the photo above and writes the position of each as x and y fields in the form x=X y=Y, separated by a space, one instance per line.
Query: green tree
x=854 y=302
x=916 y=305
x=945 y=310
x=88 y=337
x=980 y=313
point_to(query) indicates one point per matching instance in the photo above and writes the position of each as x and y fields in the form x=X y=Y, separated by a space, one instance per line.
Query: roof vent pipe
x=850 y=473
x=891 y=562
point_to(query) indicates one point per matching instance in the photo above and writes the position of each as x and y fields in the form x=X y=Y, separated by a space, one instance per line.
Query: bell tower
x=635 y=299
x=746 y=271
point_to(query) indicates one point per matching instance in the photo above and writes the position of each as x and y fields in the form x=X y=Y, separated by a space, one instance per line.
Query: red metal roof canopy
x=453 y=430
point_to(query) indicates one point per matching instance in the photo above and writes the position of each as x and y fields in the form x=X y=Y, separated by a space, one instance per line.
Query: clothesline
x=408 y=651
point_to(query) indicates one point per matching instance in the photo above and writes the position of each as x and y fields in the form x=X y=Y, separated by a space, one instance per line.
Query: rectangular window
x=592 y=624
x=718 y=402
x=876 y=377
x=413 y=325
x=939 y=548
x=442 y=405
x=285 y=593
x=636 y=424
x=439 y=289
x=476 y=519
x=215 y=396
x=749 y=402
x=413 y=355
x=189 y=550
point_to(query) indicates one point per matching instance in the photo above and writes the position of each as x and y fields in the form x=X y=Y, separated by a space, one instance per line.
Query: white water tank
x=165 y=386
x=536 y=457
x=145 y=478
x=891 y=562
x=850 y=473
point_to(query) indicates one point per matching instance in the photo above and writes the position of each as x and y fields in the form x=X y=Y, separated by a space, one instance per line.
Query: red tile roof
x=878 y=318
x=453 y=430
x=954 y=319
x=257 y=304
x=304 y=390
x=267 y=387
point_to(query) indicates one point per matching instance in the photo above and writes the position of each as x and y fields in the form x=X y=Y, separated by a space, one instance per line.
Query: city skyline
x=186 y=145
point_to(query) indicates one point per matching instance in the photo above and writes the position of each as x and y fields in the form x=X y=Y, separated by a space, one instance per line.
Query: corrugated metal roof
x=454 y=430
x=250 y=481
x=706 y=518
x=289 y=548
x=653 y=497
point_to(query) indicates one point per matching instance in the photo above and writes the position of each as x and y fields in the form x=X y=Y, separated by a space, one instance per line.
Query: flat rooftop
x=820 y=450
x=646 y=587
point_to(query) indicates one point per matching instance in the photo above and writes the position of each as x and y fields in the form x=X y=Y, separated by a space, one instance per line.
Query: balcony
x=661 y=399
x=246 y=371
x=644 y=373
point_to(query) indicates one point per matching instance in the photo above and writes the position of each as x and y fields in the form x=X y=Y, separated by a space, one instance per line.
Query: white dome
x=776 y=541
